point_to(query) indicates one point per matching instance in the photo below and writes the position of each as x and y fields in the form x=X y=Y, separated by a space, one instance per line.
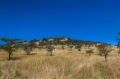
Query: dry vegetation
x=64 y=64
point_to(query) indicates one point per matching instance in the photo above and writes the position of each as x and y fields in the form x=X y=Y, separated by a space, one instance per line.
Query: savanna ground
x=64 y=64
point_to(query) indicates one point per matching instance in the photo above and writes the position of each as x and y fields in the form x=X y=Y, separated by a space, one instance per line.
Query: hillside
x=66 y=61
x=61 y=41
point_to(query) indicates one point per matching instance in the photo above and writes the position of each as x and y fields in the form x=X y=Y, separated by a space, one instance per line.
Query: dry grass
x=64 y=64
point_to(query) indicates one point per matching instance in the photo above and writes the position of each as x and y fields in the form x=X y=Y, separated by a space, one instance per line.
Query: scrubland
x=64 y=64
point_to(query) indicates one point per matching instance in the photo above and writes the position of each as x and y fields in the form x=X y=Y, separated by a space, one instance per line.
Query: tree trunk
x=9 y=56
x=105 y=57
x=79 y=49
x=50 y=53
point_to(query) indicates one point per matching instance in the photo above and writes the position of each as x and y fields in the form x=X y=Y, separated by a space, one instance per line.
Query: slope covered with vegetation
x=58 y=58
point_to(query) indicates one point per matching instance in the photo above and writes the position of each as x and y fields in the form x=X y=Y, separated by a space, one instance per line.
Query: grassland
x=64 y=64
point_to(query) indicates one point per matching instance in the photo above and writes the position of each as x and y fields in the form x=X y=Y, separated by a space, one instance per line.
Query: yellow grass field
x=64 y=64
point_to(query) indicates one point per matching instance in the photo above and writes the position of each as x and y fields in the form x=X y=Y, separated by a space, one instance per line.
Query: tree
x=0 y=47
x=50 y=48
x=118 y=51
x=28 y=48
x=63 y=45
x=89 y=52
x=9 y=47
x=71 y=47
x=78 y=47
x=118 y=44
x=104 y=49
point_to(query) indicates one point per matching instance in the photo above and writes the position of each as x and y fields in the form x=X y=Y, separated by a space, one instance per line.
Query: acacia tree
x=70 y=46
x=0 y=47
x=9 y=47
x=78 y=47
x=28 y=48
x=50 y=48
x=118 y=44
x=63 y=45
x=104 y=49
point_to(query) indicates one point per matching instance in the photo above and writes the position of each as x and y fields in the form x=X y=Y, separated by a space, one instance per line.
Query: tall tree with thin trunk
x=9 y=47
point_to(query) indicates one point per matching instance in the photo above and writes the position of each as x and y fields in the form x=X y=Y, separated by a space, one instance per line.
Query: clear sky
x=96 y=20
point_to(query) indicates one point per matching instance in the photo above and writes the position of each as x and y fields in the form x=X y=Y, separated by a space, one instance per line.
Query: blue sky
x=96 y=20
